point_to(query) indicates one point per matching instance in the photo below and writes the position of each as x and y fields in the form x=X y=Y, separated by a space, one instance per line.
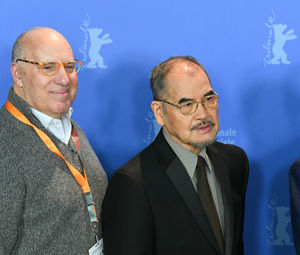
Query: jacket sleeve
x=245 y=184
x=126 y=217
x=294 y=180
x=12 y=197
x=238 y=164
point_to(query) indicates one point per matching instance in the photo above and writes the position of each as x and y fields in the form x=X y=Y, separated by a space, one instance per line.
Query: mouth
x=61 y=93
x=204 y=126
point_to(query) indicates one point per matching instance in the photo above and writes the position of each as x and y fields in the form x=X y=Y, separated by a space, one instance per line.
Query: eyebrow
x=184 y=99
x=208 y=93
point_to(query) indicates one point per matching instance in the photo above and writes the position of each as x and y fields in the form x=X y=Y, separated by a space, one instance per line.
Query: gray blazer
x=42 y=210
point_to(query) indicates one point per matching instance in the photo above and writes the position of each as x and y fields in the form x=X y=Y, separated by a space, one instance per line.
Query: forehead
x=187 y=80
x=47 y=45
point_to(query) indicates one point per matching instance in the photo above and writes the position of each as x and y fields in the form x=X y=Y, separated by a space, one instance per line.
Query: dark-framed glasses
x=209 y=102
x=51 y=68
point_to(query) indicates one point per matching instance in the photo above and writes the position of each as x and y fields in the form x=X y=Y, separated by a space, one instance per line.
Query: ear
x=16 y=74
x=158 y=112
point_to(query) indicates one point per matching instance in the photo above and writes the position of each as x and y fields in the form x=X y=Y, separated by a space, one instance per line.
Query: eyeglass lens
x=208 y=102
x=52 y=67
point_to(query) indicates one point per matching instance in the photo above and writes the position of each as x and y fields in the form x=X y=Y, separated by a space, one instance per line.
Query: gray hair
x=17 y=48
x=160 y=72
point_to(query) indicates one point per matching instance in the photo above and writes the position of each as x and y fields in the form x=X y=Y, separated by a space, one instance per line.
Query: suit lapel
x=182 y=183
x=222 y=176
x=185 y=188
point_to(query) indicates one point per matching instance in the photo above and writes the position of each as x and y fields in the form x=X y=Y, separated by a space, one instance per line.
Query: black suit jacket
x=151 y=206
x=294 y=180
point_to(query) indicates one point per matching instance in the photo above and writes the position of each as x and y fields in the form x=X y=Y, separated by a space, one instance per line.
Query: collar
x=61 y=128
x=187 y=158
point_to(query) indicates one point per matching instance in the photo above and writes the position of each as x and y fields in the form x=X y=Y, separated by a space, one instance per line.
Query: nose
x=62 y=77
x=201 y=113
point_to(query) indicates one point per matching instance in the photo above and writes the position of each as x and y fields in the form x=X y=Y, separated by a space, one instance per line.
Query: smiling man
x=185 y=193
x=51 y=181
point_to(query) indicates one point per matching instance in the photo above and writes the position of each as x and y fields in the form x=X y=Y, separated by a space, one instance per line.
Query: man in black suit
x=185 y=193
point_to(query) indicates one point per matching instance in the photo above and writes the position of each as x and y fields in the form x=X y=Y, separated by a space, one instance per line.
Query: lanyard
x=75 y=139
x=81 y=179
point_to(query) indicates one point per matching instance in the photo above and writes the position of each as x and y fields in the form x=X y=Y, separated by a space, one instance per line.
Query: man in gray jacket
x=51 y=181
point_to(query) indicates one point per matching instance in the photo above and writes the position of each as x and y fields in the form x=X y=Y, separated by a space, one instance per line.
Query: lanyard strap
x=75 y=139
x=82 y=180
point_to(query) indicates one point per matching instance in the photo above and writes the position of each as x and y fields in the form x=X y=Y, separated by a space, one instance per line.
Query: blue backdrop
x=250 y=49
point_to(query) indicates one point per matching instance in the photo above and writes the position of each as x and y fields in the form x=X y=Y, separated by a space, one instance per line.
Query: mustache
x=203 y=123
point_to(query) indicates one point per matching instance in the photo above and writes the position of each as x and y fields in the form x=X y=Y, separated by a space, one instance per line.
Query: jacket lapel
x=183 y=185
x=222 y=176
x=185 y=188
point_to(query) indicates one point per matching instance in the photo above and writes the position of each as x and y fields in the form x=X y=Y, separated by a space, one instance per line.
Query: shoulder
x=13 y=134
x=84 y=142
x=295 y=168
x=233 y=157
x=134 y=168
x=228 y=149
x=77 y=128
x=130 y=171
x=231 y=154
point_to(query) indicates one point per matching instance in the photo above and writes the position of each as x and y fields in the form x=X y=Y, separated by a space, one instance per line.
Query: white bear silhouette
x=96 y=44
x=283 y=219
x=279 y=40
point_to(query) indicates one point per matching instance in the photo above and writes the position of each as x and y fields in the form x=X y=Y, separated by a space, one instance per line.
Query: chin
x=61 y=109
x=58 y=114
x=203 y=143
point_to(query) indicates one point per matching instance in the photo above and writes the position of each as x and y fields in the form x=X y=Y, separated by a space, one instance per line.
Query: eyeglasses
x=209 y=102
x=51 y=68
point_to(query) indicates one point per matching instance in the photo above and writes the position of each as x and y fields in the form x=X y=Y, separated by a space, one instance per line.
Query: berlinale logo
x=227 y=136
x=91 y=52
x=277 y=37
x=278 y=227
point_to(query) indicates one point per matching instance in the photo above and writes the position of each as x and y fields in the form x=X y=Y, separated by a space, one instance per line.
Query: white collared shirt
x=61 y=128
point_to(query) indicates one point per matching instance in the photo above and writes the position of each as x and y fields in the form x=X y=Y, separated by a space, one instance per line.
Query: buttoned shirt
x=189 y=161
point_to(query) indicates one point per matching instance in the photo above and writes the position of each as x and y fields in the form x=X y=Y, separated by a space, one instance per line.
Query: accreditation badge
x=97 y=249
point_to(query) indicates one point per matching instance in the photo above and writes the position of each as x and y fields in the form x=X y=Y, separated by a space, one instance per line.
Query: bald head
x=49 y=94
x=32 y=39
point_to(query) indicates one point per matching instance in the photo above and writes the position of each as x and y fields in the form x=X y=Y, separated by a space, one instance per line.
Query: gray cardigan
x=42 y=209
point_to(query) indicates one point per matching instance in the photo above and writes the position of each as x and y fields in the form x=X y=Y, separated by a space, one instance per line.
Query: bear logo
x=95 y=44
x=280 y=38
x=283 y=220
